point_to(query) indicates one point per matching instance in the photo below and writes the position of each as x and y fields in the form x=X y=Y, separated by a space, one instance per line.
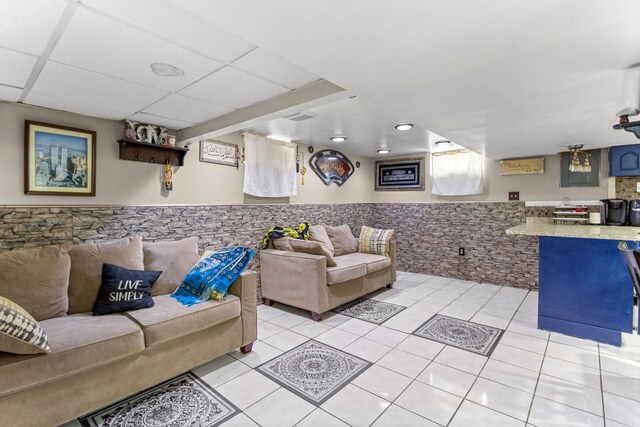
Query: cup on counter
x=595 y=218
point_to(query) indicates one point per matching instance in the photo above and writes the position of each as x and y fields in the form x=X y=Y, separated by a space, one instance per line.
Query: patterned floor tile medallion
x=184 y=401
x=370 y=310
x=314 y=371
x=473 y=337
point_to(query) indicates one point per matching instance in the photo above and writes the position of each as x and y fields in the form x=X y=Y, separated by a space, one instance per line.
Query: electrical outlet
x=461 y=251
x=515 y=195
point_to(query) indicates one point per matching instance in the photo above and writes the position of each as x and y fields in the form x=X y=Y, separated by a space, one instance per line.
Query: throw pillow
x=375 y=241
x=314 y=248
x=20 y=333
x=86 y=268
x=37 y=279
x=283 y=243
x=123 y=290
x=175 y=259
x=317 y=233
x=342 y=239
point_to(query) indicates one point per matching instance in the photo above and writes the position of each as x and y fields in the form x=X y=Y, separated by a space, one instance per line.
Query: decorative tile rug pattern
x=473 y=337
x=370 y=310
x=185 y=401
x=314 y=371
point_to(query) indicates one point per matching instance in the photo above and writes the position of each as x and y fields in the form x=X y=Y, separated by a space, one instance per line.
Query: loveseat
x=305 y=281
x=97 y=360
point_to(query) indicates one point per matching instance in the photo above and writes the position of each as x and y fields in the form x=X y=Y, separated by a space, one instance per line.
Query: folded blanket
x=301 y=233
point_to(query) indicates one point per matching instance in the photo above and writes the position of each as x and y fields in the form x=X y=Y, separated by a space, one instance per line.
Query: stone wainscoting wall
x=428 y=235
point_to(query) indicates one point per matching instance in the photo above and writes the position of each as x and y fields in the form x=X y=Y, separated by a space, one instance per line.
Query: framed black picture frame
x=400 y=174
x=59 y=160
x=331 y=166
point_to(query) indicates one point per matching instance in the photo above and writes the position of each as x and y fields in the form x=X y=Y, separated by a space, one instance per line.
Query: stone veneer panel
x=626 y=187
x=429 y=236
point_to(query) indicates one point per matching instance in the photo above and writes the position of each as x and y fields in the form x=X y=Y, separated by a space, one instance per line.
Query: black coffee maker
x=615 y=211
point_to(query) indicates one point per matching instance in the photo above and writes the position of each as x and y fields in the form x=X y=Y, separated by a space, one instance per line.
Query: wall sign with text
x=400 y=174
x=218 y=152
x=533 y=165
x=331 y=166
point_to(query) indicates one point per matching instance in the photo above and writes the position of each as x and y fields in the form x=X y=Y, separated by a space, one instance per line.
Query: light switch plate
x=638 y=187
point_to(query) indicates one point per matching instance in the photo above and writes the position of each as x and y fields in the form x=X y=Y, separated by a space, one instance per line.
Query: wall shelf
x=151 y=153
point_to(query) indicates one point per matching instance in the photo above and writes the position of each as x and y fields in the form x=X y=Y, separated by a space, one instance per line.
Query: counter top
x=606 y=232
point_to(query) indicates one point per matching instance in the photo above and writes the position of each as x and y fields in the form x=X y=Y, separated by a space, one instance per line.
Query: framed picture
x=331 y=166
x=533 y=165
x=218 y=152
x=400 y=174
x=59 y=160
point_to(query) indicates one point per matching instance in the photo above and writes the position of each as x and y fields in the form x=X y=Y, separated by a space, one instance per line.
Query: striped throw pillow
x=375 y=241
x=20 y=333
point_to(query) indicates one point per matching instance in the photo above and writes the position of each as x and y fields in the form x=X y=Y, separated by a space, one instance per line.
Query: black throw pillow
x=123 y=290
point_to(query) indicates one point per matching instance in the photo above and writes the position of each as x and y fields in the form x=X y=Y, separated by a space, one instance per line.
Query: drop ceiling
x=503 y=78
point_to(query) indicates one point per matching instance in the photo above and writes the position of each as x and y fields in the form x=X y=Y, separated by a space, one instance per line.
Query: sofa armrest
x=393 y=249
x=294 y=278
x=245 y=288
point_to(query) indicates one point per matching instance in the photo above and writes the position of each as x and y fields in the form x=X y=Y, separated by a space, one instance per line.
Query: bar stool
x=631 y=259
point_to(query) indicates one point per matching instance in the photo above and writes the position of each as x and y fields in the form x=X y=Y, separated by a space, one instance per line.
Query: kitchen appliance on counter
x=634 y=213
x=615 y=211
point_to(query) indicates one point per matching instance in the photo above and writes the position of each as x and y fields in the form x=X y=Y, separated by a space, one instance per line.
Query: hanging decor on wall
x=218 y=152
x=331 y=166
x=59 y=160
x=400 y=175
x=532 y=165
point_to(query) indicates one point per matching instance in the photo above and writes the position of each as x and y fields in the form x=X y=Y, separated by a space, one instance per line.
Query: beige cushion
x=78 y=342
x=283 y=244
x=20 y=333
x=375 y=241
x=37 y=279
x=86 y=268
x=317 y=233
x=314 y=248
x=373 y=262
x=342 y=239
x=345 y=269
x=175 y=259
x=169 y=319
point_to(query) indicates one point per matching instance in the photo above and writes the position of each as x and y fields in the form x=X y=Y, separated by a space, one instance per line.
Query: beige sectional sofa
x=98 y=360
x=303 y=280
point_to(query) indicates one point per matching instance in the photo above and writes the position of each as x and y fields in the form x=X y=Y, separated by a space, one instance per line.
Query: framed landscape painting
x=59 y=160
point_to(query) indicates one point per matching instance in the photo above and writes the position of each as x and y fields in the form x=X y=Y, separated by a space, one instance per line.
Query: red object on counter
x=579 y=210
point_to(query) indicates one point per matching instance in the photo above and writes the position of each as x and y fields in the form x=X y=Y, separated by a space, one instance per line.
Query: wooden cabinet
x=151 y=153
x=625 y=160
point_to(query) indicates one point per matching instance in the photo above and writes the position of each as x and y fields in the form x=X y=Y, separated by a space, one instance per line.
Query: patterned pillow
x=20 y=333
x=375 y=241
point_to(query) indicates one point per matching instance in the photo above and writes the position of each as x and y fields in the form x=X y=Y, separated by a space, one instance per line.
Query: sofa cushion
x=37 y=279
x=283 y=244
x=313 y=248
x=20 y=333
x=317 y=233
x=375 y=241
x=175 y=259
x=123 y=290
x=346 y=269
x=373 y=262
x=86 y=268
x=169 y=318
x=78 y=342
x=342 y=239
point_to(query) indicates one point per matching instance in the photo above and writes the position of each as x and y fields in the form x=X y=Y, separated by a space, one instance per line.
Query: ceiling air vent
x=299 y=117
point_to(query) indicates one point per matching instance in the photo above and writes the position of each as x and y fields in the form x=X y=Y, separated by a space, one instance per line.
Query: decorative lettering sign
x=331 y=166
x=400 y=174
x=218 y=152
x=528 y=166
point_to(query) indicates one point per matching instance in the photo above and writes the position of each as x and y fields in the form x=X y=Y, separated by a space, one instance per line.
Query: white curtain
x=269 y=167
x=457 y=174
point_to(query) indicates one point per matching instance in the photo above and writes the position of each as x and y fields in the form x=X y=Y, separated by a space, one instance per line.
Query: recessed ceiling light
x=338 y=138
x=384 y=151
x=404 y=126
x=166 y=70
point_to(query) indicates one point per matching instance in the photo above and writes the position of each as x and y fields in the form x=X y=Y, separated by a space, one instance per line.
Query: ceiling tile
x=57 y=103
x=232 y=88
x=186 y=109
x=84 y=87
x=263 y=64
x=97 y=43
x=173 y=23
x=27 y=25
x=16 y=67
x=161 y=121
x=9 y=93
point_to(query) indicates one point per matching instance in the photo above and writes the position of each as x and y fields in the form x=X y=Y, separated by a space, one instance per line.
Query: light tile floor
x=533 y=378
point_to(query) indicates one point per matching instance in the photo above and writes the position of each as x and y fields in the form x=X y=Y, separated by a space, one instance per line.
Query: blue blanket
x=213 y=275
